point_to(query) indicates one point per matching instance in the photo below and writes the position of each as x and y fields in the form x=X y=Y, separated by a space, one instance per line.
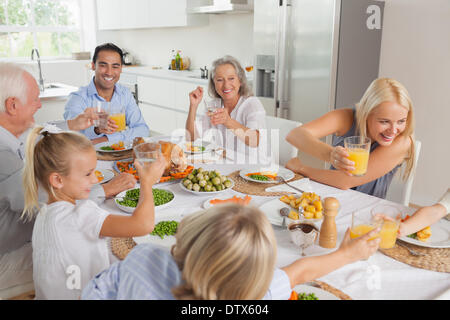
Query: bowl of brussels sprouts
x=203 y=182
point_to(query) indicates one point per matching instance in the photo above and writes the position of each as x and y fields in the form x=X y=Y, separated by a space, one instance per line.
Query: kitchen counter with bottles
x=178 y=75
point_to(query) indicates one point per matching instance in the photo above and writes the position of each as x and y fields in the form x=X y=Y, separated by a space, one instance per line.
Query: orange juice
x=119 y=119
x=360 y=157
x=360 y=230
x=388 y=234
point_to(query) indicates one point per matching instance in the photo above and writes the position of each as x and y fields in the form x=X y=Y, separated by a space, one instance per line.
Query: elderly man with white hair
x=19 y=101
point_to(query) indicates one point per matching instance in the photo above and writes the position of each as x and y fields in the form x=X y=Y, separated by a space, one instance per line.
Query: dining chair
x=279 y=149
x=400 y=191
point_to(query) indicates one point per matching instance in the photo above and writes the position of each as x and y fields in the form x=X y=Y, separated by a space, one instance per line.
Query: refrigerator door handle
x=281 y=104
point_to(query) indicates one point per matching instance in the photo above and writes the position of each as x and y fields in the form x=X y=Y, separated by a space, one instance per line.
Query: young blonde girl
x=69 y=245
x=227 y=252
x=385 y=115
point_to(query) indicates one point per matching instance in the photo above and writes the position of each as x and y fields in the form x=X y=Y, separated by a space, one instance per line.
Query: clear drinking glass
x=147 y=152
x=211 y=106
x=389 y=216
x=102 y=111
x=362 y=223
x=117 y=113
x=358 y=149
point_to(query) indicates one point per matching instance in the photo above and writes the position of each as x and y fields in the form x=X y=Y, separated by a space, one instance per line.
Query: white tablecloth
x=379 y=277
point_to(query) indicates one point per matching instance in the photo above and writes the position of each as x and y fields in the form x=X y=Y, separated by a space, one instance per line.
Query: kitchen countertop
x=57 y=91
x=185 y=75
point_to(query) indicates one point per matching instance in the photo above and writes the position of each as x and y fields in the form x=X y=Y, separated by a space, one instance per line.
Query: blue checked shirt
x=87 y=96
x=149 y=273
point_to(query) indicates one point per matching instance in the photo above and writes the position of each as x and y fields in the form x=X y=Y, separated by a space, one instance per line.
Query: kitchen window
x=52 y=26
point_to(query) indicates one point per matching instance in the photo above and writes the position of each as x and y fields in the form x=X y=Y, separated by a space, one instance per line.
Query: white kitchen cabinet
x=182 y=90
x=52 y=109
x=137 y=14
x=158 y=119
x=156 y=91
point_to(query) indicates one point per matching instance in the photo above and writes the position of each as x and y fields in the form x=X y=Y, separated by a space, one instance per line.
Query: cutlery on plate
x=411 y=251
x=284 y=212
x=281 y=179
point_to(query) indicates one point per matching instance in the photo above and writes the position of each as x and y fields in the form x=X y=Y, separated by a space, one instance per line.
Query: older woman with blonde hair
x=385 y=115
x=239 y=116
x=224 y=253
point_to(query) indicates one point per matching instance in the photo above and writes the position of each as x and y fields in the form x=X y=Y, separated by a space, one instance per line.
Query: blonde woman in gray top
x=385 y=115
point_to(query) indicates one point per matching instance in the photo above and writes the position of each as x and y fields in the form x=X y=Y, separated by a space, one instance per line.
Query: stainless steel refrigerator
x=312 y=56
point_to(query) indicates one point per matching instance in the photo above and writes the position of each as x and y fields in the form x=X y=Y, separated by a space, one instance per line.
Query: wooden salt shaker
x=328 y=232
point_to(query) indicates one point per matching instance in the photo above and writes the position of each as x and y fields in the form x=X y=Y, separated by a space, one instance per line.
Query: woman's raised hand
x=195 y=97
x=339 y=160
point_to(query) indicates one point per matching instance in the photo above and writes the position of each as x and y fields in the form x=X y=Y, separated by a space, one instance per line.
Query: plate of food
x=164 y=232
x=103 y=175
x=199 y=146
x=266 y=176
x=308 y=292
x=127 y=166
x=245 y=200
x=113 y=147
x=434 y=236
x=203 y=183
x=308 y=206
x=128 y=200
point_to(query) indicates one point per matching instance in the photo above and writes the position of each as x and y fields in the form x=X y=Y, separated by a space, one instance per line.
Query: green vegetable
x=259 y=177
x=305 y=296
x=412 y=235
x=108 y=148
x=165 y=228
x=160 y=197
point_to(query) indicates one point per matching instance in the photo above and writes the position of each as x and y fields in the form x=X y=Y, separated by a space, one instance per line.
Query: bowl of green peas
x=128 y=200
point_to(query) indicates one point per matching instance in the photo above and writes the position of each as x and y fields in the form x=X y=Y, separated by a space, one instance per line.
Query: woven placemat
x=120 y=247
x=255 y=188
x=338 y=293
x=114 y=156
x=435 y=259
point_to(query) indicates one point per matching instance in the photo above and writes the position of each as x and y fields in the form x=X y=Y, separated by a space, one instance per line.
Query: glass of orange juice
x=358 y=149
x=362 y=223
x=389 y=216
x=117 y=114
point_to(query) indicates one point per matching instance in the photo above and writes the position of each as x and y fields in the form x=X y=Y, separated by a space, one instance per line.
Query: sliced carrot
x=294 y=296
x=164 y=179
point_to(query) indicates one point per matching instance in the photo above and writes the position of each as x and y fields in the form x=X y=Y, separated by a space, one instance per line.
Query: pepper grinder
x=328 y=232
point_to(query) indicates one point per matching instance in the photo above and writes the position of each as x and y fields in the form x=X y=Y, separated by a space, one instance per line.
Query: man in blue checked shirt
x=107 y=64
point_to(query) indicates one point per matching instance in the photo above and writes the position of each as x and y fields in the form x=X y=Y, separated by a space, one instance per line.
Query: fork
x=281 y=179
x=411 y=251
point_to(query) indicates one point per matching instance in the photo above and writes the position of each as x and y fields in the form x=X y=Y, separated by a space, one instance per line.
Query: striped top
x=149 y=272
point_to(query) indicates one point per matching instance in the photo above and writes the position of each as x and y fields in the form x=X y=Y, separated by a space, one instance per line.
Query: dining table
x=380 y=277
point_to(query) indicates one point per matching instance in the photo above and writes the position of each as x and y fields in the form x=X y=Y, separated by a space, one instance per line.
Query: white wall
x=415 y=50
x=226 y=34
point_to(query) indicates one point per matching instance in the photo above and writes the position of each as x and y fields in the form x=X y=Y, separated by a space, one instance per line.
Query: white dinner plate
x=98 y=146
x=107 y=175
x=320 y=293
x=283 y=172
x=272 y=210
x=167 y=241
x=208 y=146
x=207 y=204
x=440 y=236
x=131 y=209
x=204 y=193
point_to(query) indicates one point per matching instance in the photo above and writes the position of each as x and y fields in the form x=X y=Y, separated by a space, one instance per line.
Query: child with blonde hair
x=69 y=244
x=226 y=252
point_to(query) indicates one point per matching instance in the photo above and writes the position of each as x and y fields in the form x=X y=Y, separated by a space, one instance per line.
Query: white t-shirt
x=67 y=248
x=250 y=113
